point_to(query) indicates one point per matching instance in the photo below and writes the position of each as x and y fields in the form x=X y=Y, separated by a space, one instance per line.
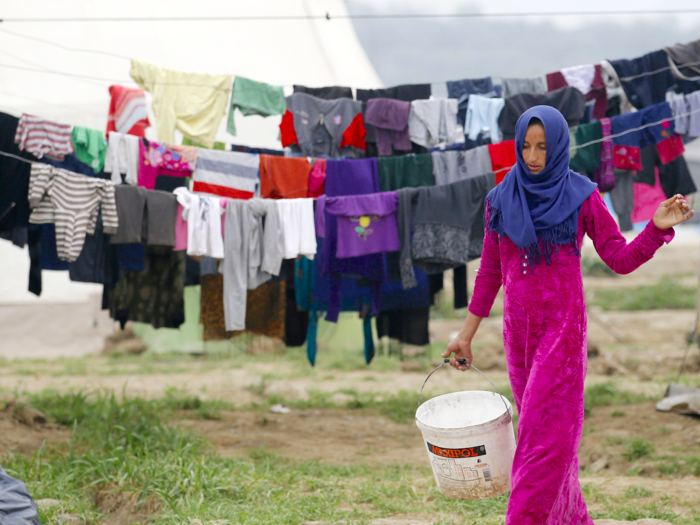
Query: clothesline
x=124 y=57
x=329 y=17
x=661 y=70
x=572 y=148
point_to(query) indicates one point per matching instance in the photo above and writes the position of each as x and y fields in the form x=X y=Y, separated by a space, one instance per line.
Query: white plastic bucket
x=470 y=442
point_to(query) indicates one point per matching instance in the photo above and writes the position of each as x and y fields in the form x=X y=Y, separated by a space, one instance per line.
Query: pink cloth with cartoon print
x=159 y=158
x=544 y=335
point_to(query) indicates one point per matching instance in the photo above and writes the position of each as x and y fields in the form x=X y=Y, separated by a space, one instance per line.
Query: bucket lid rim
x=497 y=420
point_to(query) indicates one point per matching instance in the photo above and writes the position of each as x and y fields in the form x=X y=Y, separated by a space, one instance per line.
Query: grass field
x=133 y=448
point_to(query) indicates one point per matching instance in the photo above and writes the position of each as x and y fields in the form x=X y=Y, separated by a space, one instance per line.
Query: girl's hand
x=462 y=349
x=671 y=212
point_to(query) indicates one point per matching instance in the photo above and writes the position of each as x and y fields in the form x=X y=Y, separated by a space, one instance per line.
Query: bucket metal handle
x=464 y=362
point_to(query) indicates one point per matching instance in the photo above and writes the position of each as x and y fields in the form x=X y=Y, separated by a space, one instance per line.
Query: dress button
x=524 y=264
x=524 y=272
x=526 y=256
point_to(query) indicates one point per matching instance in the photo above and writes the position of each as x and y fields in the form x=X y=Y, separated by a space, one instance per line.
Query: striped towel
x=44 y=137
x=71 y=201
x=128 y=112
x=226 y=173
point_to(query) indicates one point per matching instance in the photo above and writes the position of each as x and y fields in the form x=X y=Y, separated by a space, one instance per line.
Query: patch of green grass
x=638 y=448
x=659 y=511
x=127 y=444
x=614 y=440
x=637 y=492
x=667 y=294
x=617 y=413
x=605 y=394
x=595 y=267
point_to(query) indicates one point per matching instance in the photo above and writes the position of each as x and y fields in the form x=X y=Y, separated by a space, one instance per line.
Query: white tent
x=61 y=71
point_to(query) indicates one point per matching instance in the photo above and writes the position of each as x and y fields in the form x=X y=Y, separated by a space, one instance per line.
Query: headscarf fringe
x=548 y=241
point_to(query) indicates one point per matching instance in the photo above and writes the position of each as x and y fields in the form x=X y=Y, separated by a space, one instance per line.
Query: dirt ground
x=637 y=351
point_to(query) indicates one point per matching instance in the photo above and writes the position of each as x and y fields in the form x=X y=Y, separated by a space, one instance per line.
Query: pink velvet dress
x=544 y=335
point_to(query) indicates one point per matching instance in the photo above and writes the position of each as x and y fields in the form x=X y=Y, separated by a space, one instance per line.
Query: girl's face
x=535 y=149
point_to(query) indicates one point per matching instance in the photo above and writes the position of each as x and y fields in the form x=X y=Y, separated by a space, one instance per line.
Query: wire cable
x=578 y=146
x=328 y=16
x=124 y=57
x=67 y=48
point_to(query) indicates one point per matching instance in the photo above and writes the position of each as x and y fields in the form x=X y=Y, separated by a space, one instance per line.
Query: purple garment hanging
x=605 y=175
x=366 y=223
x=390 y=118
x=350 y=177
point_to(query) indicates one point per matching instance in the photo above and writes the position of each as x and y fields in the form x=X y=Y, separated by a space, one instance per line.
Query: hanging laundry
x=680 y=108
x=482 y=118
x=674 y=176
x=203 y=217
x=265 y=309
x=645 y=79
x=96 y=263
x=14 y=178
x=254 y=98
x=43 y=137
x=406 y=93
x=524 y=86
x=226 y=173
x=253 y=253
x=453 y=166
x=587 y=159
x=180 y=229
x=317 y=178
x=259 y=151
x=131 y=257
x=70 y=201
x=406 y=325
x=390 y=118
x=432 y=122
x=128 y=112
x=296 y=321
x=461 y=89
x=90 y=147
x=447 y=224
x=627 y=146
x=588 y=80
x=146 y=217
x=661 y=115
x=684 y=60
x=646 y=200
x=72 y=163
x=618 y=104
x=154 y=295
x=569 y=101
x=622 y=198
x=220 y=146
x=284 y=177
x=298 y=230
x=158 y=158
x=670 y=148
x=122 y=158
x=349 y=177
x=604 y=176
x=366 y=223
x=502 y=158
x=326 y=93
x=318 y=127
x=405 y=171
x=193 y=103
x=48 y=257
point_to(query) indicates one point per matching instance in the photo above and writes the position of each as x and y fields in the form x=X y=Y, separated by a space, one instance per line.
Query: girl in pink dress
x=536 y=219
